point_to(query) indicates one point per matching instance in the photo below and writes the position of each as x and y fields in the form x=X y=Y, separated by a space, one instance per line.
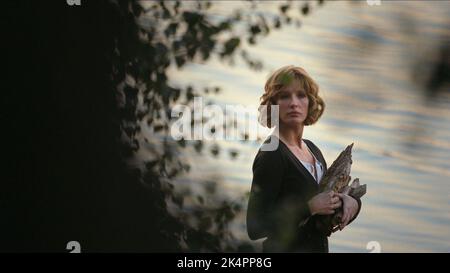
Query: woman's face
x=293 y=105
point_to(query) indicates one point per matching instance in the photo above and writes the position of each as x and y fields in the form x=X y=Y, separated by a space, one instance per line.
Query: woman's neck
x=291 y=136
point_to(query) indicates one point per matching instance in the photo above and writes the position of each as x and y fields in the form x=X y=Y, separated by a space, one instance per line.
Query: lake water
x=371 y=63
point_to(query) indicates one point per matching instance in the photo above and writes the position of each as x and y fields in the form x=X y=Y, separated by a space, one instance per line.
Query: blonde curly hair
x=283 y=77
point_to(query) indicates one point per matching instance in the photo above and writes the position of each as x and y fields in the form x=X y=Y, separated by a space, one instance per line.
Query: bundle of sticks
x=337 y=178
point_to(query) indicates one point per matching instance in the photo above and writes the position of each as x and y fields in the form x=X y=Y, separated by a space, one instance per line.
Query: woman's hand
x=349 y=210
x=324 y=203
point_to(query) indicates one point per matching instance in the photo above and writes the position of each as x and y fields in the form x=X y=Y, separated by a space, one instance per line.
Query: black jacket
x=277 y=207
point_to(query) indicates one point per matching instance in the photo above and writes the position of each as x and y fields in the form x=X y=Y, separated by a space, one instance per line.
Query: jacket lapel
x=319 y=157
x=299 y=166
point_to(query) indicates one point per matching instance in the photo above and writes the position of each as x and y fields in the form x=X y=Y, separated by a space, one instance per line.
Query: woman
x=285 y=200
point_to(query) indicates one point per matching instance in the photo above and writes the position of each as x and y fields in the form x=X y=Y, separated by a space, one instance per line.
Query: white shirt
x=310 y=167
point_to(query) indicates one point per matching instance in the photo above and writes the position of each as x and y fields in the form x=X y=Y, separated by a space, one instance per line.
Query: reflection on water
x=366 y=60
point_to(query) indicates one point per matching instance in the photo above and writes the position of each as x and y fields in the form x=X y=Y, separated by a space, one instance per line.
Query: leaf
x=215 y=150
x=171 y=29
x=198 y=146
x=158 y=128
x=255 y=29
x=305 y=9
x=233 y=154
x=231 y=45
x=180 y=61
x=277 y=23
x=151 y=164
x=284 y=8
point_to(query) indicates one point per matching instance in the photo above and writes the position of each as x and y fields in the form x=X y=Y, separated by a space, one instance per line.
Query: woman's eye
x=301 y=95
